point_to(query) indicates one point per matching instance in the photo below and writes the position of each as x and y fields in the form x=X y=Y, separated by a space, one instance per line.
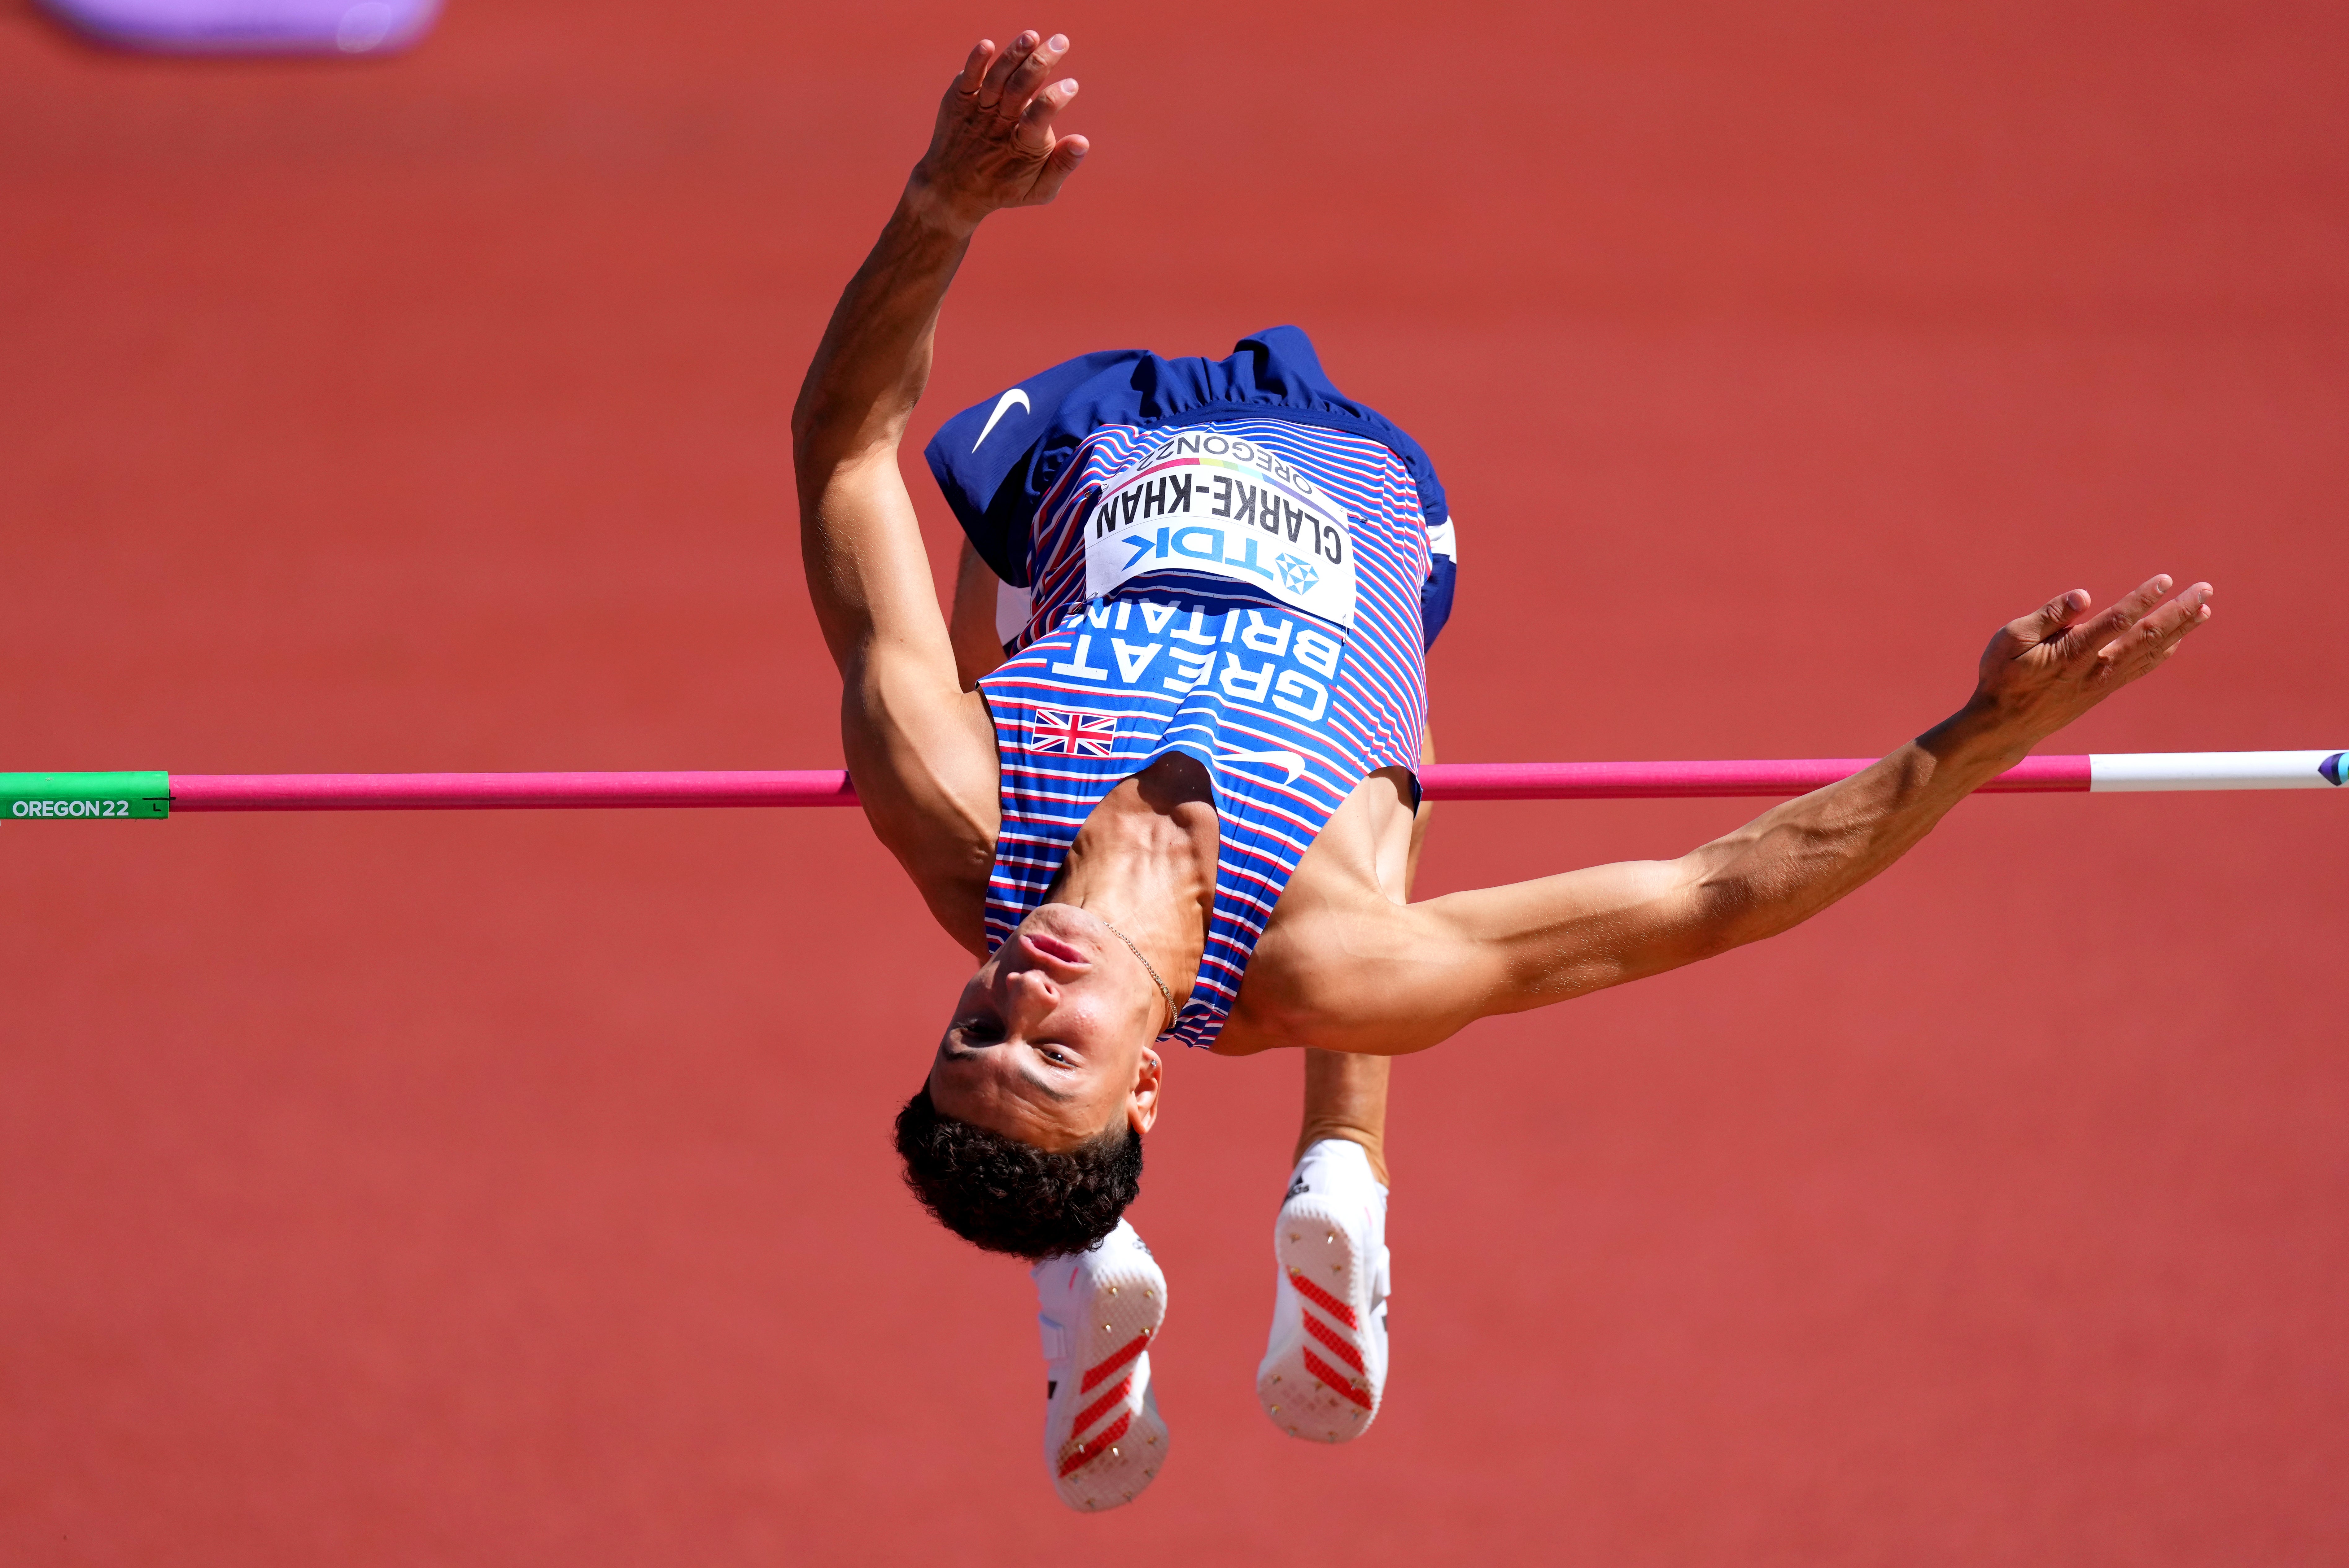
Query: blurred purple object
x=252 y=27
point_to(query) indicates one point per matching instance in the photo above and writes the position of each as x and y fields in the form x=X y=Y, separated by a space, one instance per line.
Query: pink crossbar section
x=1444 y=780
x=446 y=792
x=1656 y=781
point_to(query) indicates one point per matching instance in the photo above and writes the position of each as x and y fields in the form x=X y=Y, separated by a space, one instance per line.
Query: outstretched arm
x=919 y=747
x=1453 y=960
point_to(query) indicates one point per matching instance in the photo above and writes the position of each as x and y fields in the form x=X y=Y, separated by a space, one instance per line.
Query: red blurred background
x=483 y=1189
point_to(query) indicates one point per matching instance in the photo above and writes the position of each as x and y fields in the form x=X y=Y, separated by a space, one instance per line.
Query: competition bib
x=1200 y=502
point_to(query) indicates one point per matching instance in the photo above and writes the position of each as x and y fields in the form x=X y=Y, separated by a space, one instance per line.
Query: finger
x=1035 y=131
x=1063 y=163
x=2187 y=610
x=990 y=85
x=2049 y=620
x=974 y=69
x=2091 y=637
x=2096 y=635
x=2200 y=616
x=2151 y=640
x=1024 y=82
x=2160 y=632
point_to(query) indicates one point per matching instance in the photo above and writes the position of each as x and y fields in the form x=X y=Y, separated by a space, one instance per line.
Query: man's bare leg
x=1346 y=1094
x=1325 y=1368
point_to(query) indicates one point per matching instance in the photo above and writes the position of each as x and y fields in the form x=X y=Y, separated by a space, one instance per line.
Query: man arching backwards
x=1159 y=778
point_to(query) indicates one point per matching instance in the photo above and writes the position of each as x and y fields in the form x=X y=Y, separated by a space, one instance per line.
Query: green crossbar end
x=59 y=797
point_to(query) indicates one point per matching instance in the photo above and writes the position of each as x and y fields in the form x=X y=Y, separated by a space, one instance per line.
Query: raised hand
x=2044 y=671
x=994 y=145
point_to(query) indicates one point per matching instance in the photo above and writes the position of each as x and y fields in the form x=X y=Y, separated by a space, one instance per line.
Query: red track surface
x=515 y=1189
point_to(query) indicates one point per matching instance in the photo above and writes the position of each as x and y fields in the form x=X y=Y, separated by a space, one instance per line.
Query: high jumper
x=1158 y=774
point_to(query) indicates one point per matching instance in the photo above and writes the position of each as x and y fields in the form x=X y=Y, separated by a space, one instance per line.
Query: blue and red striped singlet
x=1226 y=579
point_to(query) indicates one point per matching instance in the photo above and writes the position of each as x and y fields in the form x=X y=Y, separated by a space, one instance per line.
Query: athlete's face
x=1050 y=1042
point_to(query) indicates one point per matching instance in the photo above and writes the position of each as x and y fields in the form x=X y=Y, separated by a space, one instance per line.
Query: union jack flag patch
x=1077 y=734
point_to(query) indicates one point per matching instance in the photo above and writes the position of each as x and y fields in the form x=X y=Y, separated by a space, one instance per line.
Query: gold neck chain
x=1147 y=969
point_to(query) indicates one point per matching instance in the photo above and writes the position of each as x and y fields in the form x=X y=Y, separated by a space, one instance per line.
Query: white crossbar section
x=2215 y=770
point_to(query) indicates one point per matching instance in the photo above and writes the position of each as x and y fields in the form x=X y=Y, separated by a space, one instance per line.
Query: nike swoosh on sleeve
x=1288 y=760
x=1002 y=405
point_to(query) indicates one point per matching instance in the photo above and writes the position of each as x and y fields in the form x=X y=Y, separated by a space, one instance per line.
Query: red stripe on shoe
x=1323 y=1299
x=1101 y=1406
x=1094 y=1451
x=1119 y=1357
x=1329 y=1336
x=1335 y=1380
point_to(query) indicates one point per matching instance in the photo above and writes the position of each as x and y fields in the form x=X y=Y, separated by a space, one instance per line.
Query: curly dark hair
x=1006 y=1195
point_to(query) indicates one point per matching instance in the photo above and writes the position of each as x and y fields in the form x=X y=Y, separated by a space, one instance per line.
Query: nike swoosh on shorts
x=1002 y=405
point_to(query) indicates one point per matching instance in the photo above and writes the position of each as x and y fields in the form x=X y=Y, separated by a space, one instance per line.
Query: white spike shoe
x=1325 y=1369
x=1099 y=1311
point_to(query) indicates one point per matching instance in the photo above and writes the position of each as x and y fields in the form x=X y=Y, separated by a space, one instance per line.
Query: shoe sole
x=1315 y=1386
x=1114 y=1440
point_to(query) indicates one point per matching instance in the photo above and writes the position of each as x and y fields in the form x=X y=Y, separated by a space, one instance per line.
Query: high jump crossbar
x=150 y=794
